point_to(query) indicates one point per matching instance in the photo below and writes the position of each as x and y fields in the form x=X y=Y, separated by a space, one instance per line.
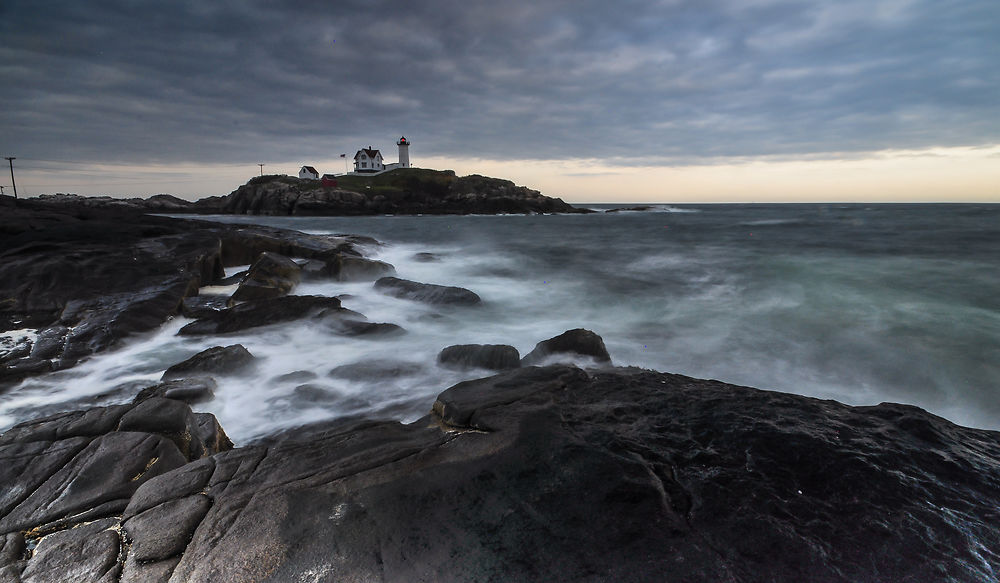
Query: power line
x=129 y=164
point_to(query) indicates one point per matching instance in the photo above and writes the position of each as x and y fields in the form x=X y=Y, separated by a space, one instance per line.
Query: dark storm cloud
x=230 y=81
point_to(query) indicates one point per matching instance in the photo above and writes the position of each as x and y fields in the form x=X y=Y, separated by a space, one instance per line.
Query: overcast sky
x=188 y=87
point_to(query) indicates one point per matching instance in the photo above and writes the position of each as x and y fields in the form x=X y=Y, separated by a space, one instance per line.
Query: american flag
x=343 y=155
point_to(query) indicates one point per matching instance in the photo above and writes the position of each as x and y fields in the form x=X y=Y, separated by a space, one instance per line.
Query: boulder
x=577 y=342
x=270 y=276
x=350 y=325
x=361 y=269
x=232 y=359
x=495 y=357
x=426 y=292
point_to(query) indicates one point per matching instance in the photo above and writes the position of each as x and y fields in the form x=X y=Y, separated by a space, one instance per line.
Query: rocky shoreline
x=544 y=471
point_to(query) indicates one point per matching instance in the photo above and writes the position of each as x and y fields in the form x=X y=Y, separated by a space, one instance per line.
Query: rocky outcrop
x=80 y=278
x=264 y=313
x=427 y=293
x=536 y=474
x=577 y=342
x=74 y=468
x=401 y=191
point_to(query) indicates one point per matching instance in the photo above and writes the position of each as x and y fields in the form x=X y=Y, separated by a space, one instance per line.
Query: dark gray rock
x=50 y=342
x=349 y=326
x=210 y=435
x=426 y=292
x=361 y=269
x=163 y=531
x=187 y=390
x=86 y=553
x=171 y=419
x=226 y=360
x=87 y=273
x=495 y=357
x=343 y=267
x=625 y=475
x=88 y=278
x=270 y=276
x=104 y=473
x=86 y=423
x=18 y=368
x=572 y=342
x=136 y=571
x=185 y=481
x=264 y=313
x=204 y=306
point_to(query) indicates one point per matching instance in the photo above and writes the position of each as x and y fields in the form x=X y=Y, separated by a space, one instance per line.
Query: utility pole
x=14 y=184
x=261 y=169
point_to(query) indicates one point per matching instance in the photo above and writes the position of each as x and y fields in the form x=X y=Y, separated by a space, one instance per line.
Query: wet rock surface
x=427 y=293
x=188 y=390
x=232 y=359
x=548 y=473
x=271 y=275
x=486 y=356
x=85 y=274
x=265 y=312
x=577 y=342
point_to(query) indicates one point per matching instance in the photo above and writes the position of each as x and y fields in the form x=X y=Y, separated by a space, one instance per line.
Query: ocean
x=862 y=303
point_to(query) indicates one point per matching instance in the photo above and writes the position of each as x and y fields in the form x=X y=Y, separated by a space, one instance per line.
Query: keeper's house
x=368 y=160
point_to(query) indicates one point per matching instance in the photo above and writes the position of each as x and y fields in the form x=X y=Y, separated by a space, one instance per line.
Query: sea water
x=858 y=303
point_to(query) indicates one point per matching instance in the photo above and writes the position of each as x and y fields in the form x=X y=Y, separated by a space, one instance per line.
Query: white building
x=309 y=173
x=368 y=160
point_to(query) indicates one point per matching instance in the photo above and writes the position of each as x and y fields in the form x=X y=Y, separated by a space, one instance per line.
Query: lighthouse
x=404 y=152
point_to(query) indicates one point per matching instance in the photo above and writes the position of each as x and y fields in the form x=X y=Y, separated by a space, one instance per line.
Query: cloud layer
x=673 y=81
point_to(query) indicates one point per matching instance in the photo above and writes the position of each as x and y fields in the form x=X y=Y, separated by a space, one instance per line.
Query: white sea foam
x=800 y=315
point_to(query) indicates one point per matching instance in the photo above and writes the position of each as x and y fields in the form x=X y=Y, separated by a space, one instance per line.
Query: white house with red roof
x=309 y=173
x=368 y=161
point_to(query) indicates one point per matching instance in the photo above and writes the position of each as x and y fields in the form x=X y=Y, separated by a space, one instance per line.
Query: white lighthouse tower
x=404 y=152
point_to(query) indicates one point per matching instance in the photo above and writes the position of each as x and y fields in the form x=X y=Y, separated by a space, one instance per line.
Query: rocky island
x=544 y=471
x=406 y=191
